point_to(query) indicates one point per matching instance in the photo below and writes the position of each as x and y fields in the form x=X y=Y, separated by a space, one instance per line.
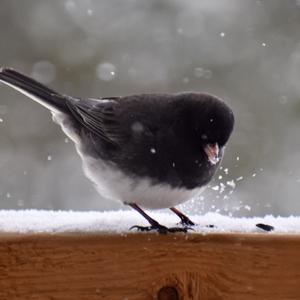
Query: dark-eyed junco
x=148 y=150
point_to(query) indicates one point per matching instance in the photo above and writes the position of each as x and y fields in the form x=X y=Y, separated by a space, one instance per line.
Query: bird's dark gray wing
x=99 y=117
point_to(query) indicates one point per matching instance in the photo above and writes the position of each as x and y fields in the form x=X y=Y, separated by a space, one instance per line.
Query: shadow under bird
x=148 y=150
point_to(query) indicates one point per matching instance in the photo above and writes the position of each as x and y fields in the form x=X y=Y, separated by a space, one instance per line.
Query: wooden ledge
x=149 y=266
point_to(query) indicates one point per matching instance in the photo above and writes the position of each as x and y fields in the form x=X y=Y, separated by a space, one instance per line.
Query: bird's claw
x=161 y=229
x=180 y=229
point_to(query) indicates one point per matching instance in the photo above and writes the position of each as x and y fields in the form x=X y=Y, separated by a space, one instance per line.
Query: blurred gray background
x=247 y=52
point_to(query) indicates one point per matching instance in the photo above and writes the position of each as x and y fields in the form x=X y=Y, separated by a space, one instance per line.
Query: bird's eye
x=204 y=136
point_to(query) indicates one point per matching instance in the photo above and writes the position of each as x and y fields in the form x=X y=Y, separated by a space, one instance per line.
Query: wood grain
x=149 y=266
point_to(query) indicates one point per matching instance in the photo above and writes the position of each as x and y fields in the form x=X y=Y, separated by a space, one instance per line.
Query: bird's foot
x=180 y=229
x=161 y=229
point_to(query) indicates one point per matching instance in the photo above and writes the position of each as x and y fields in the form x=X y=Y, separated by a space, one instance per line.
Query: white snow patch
x=222 y=187
x=198 y=72
x=247 y=207
x=201 y=73
x=215 y=188
x=231 y=183
x=36 y=221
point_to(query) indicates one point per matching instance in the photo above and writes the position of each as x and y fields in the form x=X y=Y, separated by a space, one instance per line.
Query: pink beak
x=212 y=152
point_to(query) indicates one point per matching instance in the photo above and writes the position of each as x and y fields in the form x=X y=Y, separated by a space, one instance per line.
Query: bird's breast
x=113 y=184
x=132 y=183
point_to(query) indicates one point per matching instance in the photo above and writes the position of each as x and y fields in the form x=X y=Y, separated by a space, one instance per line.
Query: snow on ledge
x=37 y=221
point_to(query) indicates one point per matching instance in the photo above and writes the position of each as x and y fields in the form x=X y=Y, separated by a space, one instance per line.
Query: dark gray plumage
x=153 y=150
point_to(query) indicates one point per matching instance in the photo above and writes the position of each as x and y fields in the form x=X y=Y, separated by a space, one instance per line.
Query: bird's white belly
x=115 y=185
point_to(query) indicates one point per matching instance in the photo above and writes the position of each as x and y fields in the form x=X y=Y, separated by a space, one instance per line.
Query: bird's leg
x=184 y=219
x=154 y=225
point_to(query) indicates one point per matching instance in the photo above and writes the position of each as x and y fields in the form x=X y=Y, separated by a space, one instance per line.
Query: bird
x=148 y=151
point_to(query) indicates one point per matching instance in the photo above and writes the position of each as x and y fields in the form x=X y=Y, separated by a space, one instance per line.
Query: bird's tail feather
x=34 y=90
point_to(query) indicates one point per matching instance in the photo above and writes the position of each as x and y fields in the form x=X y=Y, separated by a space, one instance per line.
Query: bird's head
x=211 y=123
